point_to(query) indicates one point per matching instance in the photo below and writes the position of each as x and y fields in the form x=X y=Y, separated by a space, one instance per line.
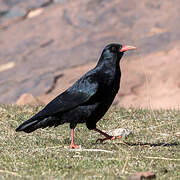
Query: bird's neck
x=109 y=73
x=109 y=60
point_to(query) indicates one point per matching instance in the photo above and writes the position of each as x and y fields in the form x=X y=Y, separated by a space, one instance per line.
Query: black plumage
x=87 y=100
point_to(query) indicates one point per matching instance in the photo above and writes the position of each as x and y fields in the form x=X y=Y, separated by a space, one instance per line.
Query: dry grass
x=153 y=146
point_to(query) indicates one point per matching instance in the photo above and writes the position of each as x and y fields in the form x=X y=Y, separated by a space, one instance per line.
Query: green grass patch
x=154 y=145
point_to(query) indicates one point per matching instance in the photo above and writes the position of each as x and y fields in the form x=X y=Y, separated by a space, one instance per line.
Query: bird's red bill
x=127 y=48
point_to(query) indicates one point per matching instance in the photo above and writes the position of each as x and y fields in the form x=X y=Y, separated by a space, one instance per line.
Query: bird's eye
x=113 y=49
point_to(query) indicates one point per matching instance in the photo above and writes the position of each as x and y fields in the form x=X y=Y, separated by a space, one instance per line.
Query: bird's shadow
x=162 y=144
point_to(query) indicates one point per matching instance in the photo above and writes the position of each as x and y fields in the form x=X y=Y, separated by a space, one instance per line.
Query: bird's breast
x=110 y=81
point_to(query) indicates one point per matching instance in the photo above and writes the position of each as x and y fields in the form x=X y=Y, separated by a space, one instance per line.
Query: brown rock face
x=28 y=99
x=44 y=42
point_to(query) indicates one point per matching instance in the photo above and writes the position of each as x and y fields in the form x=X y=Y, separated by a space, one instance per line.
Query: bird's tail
x=33 y=124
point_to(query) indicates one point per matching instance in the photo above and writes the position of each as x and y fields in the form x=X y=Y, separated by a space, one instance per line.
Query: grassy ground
x=153 y=146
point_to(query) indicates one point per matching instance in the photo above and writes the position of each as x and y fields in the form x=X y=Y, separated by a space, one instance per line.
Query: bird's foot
x=108 y=138
x=74 y=146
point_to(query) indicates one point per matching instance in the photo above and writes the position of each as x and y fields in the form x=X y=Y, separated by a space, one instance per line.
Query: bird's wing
x=81 y=92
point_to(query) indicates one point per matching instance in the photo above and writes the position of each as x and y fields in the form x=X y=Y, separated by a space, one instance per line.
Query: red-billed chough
x=87 y=100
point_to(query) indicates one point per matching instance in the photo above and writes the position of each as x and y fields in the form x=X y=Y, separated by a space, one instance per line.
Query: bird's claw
x=74 y=146
x=108 y=138
x=118 y=137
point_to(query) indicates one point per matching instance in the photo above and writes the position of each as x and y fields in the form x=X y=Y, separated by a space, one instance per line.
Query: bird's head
x=117 y=48
x=113 y=53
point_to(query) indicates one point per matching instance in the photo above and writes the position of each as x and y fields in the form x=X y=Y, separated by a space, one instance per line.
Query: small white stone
x=120 y=132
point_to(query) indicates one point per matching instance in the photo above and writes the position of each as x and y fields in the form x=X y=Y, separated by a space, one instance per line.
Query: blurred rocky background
x=45 y=45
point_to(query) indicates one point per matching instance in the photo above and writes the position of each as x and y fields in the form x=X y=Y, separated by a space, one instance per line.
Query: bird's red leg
x=73 y=146
x=107 y=137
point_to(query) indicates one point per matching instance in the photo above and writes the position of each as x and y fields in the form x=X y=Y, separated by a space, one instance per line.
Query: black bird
x=87 y=100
